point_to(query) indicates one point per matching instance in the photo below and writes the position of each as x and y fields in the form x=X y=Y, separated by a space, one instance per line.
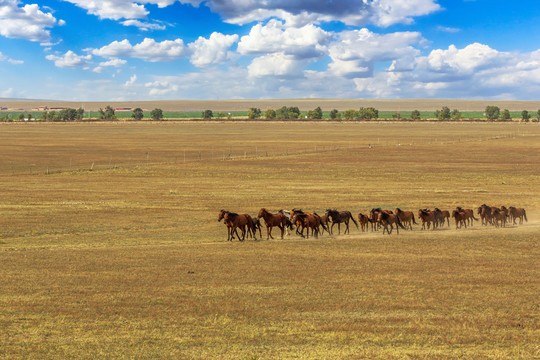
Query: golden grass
x=131 y=263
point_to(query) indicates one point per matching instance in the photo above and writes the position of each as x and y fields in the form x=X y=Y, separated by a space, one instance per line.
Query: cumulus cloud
x=351 y=12
x=355 y=52
x=308 y=41
x=70 y=60
x=278 y=65
x=148 y=50
x=160 y=88
x=26 y=22
x=212 y=50
x=131 y=81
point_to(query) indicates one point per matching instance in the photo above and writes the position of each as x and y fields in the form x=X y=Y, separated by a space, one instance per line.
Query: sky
x=114 y=50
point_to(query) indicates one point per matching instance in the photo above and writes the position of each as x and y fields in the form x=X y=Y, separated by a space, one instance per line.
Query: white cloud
x=351 y=12
x=7 y=93
x=308 y=41
x=160 y=88
x=26 y=22
x=212 y=50
x=131 y=81
x=144 y=26
x=70 y=60
x=10 y=60
x=124 y=9
x=148 y=50
x=278 y=65
x=355 y=52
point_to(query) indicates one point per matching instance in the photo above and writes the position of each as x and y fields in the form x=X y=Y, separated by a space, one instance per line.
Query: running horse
x=461 y=218
x=386 y=219
x=272 y=220
x=517 y=213
x=233 y=221
x=406 y=217
x=469 y=215
x=339 y=217
x=307 y=221
x=427 y=217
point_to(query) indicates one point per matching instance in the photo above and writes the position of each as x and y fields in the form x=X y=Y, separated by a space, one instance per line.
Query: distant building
x=123 y=109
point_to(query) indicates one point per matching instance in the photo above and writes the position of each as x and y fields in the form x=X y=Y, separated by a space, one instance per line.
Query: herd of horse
x=377 y=219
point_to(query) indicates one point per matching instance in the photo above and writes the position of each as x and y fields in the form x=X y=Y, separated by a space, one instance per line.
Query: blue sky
x=85 y=50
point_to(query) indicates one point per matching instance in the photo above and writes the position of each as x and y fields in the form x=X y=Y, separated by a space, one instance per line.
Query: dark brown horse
x=339 y=217
x=271 y=220
x=386 y=220
x=441 y=216
x=517 y=213
x=233 y=221
x=460 y=217
x=406 y=217
x=427 y=217
x=499 y=216
x=363 y=220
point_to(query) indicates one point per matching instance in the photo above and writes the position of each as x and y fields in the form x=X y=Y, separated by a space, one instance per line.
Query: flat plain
x=110 y=245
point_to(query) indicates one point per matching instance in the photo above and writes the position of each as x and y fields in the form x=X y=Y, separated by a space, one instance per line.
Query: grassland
x=128 y=261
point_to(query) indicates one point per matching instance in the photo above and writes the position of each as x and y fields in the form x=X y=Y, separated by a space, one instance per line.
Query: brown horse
x=339 y=217
x=386 y=220
x=469 y=215
x=486 y=213
x=363 y=220
x=406 y=217
x=442 y=215
x=499 y=216
x=233 y=221
x=325 y=220
x=517 y=213
x=272 y=220
x=312 y=218
x=428 y=217
x=460 y=217
x=374 y=217
x=307 y=221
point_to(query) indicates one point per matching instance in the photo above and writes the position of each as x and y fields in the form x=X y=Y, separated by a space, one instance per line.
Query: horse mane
x=398 y=210
x=232 y=214
x=424 y=211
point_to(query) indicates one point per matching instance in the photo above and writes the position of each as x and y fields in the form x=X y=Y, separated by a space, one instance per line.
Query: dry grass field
x=127 y=260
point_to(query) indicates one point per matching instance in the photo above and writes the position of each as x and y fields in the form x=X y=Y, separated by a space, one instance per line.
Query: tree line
x=491 y=113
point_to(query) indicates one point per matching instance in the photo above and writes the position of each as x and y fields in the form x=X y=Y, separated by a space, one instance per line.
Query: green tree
x=415 y=115
x=29 y=116
x=44 y=116
x=396 y=116
x=207 y=114
x=334 y=114
x=525 y=116
x=538 y=115
x=443 y=114
x=456 y=115
x=138 y=114
x=107 y=114
x=254 y=113
x=156 y=114
x=315 y=113
x=505 y=115
x=21 y=117
x=492 y=112
x=270 y=114
x=350 y=114
x=288 y=112
x=368 y=113
x=80 y=113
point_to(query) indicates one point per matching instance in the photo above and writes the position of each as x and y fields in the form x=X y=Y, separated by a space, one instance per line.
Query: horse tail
x=474 y=217
x=354 y=221
x=324 y=227
x=525 y=215
x=413 y=220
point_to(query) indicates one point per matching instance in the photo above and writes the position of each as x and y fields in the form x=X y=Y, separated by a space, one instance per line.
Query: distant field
x=110 y=245
x=183 y=106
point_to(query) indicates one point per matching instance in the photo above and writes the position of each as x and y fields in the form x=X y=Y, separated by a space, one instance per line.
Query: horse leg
x=269 y=233
x=347 y=231
x=282 y=228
